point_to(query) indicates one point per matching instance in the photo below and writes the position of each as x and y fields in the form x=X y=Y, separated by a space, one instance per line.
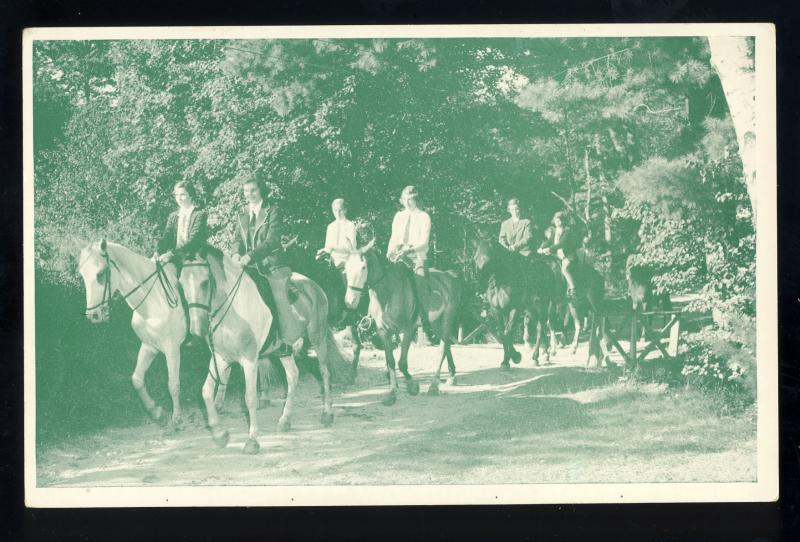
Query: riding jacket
x=195 y=234
x=260 y=237
x=516 y=235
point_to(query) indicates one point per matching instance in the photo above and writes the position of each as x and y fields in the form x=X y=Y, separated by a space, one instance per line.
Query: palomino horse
x=395 y=309
x=158 y=319
x=226 y=308
x=515 y=286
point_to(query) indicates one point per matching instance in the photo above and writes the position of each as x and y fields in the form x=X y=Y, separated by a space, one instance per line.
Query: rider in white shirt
x=411 y=231
x=340 y=237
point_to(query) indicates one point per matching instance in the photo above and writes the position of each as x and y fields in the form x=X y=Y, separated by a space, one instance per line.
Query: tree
x=734 y=59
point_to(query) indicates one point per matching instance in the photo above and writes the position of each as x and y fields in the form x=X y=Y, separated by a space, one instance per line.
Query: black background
x=712 y=522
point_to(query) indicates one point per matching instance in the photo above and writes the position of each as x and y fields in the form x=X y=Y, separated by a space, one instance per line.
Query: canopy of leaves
x=639 y=124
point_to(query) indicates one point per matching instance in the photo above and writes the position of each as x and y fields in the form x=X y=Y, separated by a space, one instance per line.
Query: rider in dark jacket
x=259 y=249
x=566 y=241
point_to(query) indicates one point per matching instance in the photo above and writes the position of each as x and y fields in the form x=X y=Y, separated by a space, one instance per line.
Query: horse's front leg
x=222 y=388
x=216 y=366
x=356 y=338
x=173 y=355
x=552 y=313
x=531 y=320
x=451 y=364
x=508 y=333
x=250 y=367
x=411 y=385
x=292 y=374
x=322 y=346
x=391 y=397
x=263 y=381
x=576 y=320
x=144 y=359
x=500 y=327
x=433 y=389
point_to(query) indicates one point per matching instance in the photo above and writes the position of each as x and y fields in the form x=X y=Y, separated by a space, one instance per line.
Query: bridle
x=227 y=302
x=226 y=305
x=367 y=285
x=170 y=293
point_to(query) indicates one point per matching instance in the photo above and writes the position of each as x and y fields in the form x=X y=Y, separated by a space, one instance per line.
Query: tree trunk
x=732 y=57
x=588 y=185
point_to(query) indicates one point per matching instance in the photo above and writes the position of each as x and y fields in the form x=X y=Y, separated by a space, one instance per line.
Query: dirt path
x=555 y=423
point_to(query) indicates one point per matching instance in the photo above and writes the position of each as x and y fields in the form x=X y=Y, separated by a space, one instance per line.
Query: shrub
x=723 y=361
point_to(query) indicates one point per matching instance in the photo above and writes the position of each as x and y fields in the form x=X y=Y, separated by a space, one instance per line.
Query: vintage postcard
x=400 y=265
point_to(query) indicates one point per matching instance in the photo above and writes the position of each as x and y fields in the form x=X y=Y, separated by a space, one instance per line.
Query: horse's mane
x=501 y=257
x=215 y=256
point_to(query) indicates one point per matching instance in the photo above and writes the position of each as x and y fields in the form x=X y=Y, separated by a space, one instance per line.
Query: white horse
x=226 y=308
x=158 y=318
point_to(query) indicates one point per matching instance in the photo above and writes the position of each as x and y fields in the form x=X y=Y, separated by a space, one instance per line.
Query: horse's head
x=94 y=265
x=356 y=269
x=484 y=252
x=197 y=283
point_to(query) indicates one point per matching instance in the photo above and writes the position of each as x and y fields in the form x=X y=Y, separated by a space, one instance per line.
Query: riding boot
x=264 y=289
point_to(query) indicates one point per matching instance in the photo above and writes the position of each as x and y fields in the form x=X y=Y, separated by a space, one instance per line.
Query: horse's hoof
x=390 y=399
x=451 y=381
x=327 y=419
x=175 y=426
x=433 y=390
x=284 y=425
x=221 y=439
x=412 y=386
x=251 y=447
x=159 y=416
x=516 y=357
x=505 y=366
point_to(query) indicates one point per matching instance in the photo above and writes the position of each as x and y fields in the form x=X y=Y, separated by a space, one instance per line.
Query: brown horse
x=588 y=300
x=515 y=286
x=396 y=310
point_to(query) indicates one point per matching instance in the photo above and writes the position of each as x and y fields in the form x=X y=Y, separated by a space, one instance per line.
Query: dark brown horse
x=396 y=310
x=587 y=301
x=515 y=286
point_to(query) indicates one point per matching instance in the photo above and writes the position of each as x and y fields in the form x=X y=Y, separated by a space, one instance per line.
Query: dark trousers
x=263 y=287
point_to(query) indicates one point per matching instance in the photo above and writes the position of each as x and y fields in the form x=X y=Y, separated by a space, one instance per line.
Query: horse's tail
x=460 y=310
x=339 y=366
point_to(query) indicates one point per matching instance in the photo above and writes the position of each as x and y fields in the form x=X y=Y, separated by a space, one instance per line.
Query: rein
x=227 y=302
x=170 y=293
x=226 y=305
x=367 y=285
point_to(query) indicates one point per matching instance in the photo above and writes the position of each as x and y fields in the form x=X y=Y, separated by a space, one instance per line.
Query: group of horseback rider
x=260 y=252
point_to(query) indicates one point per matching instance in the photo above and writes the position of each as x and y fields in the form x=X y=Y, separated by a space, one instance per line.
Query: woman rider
x=186 y=230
